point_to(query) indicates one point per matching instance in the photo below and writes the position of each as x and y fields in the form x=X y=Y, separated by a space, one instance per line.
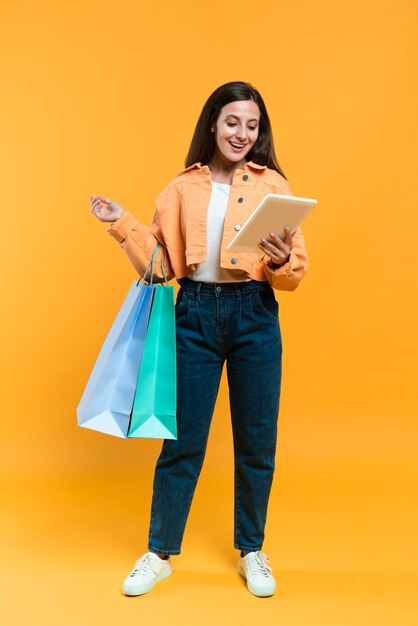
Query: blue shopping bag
x=107 y=401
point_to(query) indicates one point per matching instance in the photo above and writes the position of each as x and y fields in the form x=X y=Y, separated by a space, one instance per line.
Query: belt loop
x=238 y=292
x=198 y=286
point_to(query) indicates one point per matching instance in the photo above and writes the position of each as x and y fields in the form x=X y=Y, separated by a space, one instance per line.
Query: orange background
x=103 y=98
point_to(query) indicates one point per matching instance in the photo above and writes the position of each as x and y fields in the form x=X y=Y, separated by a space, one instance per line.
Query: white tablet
x=273 y=214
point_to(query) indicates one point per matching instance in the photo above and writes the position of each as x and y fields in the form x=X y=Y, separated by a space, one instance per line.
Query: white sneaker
x=258 y=575
x=148 y=570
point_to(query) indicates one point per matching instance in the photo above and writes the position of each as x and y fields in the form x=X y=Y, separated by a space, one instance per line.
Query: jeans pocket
x=182 y=304
x=268 y=303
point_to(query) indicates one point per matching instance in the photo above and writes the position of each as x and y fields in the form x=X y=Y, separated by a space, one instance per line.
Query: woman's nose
x=241 y=133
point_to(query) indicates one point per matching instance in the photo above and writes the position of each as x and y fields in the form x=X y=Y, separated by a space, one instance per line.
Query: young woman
x=225 y=312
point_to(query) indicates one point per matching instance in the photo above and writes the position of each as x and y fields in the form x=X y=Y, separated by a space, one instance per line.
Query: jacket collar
x=199 y=165
x=255 y=166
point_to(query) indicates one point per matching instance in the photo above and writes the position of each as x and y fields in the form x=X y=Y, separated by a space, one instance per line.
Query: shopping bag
x=154 y=409
x=107 y=401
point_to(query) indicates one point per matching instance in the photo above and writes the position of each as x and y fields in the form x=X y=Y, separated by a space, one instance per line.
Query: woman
x=225 y=311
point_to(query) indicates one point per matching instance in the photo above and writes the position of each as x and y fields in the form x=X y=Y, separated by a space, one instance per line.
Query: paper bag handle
x=150 y=268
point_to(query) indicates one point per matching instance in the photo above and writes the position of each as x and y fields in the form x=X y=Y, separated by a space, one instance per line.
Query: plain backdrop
x=102 y=98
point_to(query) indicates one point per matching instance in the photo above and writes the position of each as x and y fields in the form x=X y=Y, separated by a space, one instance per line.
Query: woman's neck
x=223 y=171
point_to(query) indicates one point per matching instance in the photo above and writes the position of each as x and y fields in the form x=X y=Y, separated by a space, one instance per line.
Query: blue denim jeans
x=237 y=323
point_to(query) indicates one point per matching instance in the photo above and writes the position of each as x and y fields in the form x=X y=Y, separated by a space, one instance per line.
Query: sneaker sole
x=139 y=590
x=260 y=593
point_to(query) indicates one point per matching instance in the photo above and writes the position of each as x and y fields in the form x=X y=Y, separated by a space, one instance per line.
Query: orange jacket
x=179 y=224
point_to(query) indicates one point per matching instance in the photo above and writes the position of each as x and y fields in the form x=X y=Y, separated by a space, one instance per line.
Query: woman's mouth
x=237 y=146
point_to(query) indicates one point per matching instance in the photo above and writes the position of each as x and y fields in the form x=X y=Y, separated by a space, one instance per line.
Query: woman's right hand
x=105 y=209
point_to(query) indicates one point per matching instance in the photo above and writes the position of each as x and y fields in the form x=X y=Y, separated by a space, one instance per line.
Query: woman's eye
x=252 y=128
x=230 y=124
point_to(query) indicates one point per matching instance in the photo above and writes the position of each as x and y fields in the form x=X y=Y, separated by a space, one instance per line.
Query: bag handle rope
x=151 y=265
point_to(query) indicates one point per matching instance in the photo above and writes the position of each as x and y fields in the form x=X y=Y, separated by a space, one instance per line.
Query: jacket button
x=240 y=199
x=245 y=177
x=234 y=261
x=237 y=227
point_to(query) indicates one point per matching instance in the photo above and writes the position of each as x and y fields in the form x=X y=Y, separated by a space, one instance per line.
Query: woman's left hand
x=276 y=248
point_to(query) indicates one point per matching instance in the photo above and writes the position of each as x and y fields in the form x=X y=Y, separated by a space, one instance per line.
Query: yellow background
x=103 y=97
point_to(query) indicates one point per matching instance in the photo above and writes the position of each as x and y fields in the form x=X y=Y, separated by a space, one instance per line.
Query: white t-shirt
x=210 y=271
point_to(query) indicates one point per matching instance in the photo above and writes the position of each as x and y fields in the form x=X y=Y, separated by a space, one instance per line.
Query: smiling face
x=236 y=131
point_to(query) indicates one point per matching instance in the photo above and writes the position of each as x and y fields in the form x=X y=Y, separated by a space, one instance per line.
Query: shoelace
x=258 y=565
x=143 y=567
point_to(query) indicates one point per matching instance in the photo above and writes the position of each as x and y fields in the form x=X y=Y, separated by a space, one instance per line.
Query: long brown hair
x=203 y=142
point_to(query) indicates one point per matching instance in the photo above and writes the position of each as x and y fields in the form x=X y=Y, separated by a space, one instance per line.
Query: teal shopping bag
x=154 y=409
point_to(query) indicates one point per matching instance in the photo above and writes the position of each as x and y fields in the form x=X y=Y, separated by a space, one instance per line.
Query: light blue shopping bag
x=108 y=398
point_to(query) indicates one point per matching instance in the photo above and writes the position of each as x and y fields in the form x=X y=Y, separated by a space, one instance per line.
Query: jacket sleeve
x=288 y=276
x=139 y=241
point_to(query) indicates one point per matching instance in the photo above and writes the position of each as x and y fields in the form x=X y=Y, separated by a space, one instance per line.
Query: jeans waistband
x=216 y=289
